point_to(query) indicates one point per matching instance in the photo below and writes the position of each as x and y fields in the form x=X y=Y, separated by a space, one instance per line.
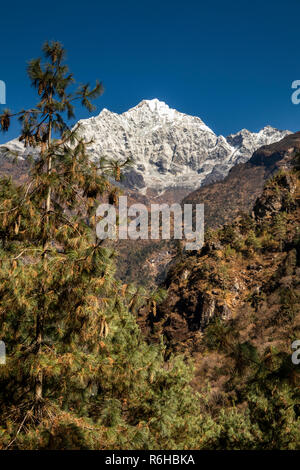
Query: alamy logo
x=295 y=97
x=2 y=92
x=296 y=354
x=2 y=353
x=137 y=222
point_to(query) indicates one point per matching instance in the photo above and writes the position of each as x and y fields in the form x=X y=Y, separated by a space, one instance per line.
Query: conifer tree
x=55 y=276
x=78 y=375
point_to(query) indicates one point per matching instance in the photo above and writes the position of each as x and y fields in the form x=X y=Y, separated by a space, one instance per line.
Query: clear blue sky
x=230 y=62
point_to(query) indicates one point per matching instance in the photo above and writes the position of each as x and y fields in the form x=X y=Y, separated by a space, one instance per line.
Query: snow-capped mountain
x=15 y=148
x=169 y=149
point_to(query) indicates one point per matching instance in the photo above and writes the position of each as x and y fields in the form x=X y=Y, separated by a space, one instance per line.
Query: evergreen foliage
x=78 y=373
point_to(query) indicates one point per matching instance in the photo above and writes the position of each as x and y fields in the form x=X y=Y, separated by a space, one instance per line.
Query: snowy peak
x=170 y=148
x=159 y=108
x=152 y=110
x=155 y=112
x=154 y=105
x=245 y=142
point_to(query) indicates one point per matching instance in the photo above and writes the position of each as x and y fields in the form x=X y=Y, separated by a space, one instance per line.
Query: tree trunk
x=49 y=168
x=38 y=392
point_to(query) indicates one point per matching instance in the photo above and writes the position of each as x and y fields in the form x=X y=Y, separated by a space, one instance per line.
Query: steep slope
x=234 y=307
x=223 y=201
x=247 y=273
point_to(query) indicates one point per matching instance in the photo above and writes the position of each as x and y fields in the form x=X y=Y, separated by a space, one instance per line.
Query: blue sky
x=230 y=62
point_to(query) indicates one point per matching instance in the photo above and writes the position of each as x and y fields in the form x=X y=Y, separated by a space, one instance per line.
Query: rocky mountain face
x=169 y=148
x=224 y=200
x=246 y=276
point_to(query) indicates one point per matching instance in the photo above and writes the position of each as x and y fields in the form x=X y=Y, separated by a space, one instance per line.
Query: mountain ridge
x=170 y=148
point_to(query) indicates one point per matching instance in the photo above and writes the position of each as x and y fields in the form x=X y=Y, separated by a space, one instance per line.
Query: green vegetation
x=268 y=382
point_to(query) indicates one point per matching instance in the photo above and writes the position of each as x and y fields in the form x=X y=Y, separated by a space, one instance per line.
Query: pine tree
x=79 y=374
x=55 y=277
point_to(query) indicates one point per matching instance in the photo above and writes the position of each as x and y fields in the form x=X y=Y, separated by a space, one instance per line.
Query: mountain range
x=169 y=149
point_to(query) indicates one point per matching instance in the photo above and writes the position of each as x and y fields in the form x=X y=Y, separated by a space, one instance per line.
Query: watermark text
x=137 y=222
x=2 y=92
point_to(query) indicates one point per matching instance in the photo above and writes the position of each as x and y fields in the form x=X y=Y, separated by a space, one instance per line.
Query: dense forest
x=93 y=363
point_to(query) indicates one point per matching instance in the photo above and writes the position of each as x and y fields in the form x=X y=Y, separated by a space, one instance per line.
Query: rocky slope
x=234 y=307
x=246 y=275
